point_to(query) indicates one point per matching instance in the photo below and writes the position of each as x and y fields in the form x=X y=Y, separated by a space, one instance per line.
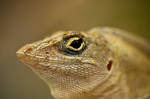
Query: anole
x=102 y=63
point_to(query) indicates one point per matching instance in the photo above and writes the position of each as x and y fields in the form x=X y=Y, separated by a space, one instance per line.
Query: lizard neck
x=115 y=87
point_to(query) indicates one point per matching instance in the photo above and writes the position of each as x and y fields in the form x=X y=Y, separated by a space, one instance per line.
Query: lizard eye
x=73 y=45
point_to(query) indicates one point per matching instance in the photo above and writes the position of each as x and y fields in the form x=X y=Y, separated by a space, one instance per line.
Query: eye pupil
x=73 y=45
x=76 y=43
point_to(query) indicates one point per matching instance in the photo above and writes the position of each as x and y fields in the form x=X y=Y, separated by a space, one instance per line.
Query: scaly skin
x=103 y=63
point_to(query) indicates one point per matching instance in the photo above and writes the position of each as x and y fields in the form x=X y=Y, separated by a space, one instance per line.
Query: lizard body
x=103 y=63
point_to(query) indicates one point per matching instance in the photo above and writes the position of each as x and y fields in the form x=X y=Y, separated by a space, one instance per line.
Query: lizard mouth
x=25 y=58
x=25 y=55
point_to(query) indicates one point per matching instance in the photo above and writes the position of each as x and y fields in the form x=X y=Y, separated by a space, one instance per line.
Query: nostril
x=29 y=49
x=109 y=65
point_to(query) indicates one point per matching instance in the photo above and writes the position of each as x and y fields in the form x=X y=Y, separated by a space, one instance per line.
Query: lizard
x=102 y=63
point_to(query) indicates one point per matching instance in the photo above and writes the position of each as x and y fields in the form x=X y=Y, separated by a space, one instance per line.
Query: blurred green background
x=27 y=21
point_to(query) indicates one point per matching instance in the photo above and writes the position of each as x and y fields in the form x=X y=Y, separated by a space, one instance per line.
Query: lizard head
x=72 y=63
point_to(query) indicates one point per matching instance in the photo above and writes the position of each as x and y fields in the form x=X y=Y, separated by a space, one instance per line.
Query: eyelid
x=72 y=39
